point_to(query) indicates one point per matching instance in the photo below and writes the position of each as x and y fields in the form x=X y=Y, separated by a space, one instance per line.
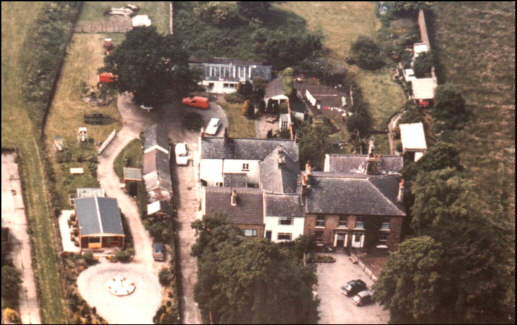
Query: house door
x=340 y=240
x=268 y=235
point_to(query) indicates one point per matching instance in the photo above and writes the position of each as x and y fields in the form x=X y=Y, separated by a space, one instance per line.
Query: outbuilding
x=412 y=137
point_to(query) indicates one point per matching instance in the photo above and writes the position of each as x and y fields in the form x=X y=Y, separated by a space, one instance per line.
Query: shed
x=423 y=88
x=162 y=208
x=413 y=137
x=100 y=223
x=132 y=174
x=141 y=20
x=77 y=171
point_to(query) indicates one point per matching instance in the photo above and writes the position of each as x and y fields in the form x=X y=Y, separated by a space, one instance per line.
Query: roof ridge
x=96 y=199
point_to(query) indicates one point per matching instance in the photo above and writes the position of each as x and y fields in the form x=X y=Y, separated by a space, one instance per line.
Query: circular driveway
x=137 y=308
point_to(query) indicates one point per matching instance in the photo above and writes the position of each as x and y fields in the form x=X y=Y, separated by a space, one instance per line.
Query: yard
x=479 y=59
x=18 y=131
x=341 y=23
x=131 y=156
x=85 y=55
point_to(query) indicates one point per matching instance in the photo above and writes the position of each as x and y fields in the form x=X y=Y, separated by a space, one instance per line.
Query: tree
x=245 y=90
x=314 y=144
x=244 y=280
x=449 y=111
x=423 y=64
x=193 y=121
x=288 y=82
x=410 y=284
x=153 y=67
x=10 y=285
x=366 y=54
x=247 y=109
x=360 y=122
x=253 y=9
x=218 y=13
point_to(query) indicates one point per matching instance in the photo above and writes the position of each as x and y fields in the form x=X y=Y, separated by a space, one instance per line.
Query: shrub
x=234 y=98
x=125 y=256
x=247 y=109
x=218 y=13
x=423 y=64
x=10 y=285
x=324 y=259
x=165 y=277
x=193 y=121
x=366 y=54
x=12 y=316
x=89 y=258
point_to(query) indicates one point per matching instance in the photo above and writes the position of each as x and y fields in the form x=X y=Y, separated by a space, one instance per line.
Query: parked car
x=197 y=101
x=181 y=151
x=213 y=126
x=159 y=252
x=353 y=287
x=363 y=298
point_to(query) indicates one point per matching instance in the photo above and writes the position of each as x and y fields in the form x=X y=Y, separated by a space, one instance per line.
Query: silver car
x=213 y=126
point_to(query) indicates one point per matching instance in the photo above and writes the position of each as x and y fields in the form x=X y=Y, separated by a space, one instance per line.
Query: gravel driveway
x=336 y=308
x=13 y=217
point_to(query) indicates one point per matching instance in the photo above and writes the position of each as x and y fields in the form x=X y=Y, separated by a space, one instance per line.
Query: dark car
x=363 y=298
x=353 y=287
x=159 y=252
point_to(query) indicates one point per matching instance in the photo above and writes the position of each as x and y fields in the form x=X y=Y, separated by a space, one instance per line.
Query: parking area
x=336 y=308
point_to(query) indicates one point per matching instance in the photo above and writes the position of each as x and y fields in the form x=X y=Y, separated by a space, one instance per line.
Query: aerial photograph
x=258 y=162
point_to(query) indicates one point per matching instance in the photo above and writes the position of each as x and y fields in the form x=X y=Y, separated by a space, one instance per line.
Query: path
x=13 y=217
x=391 y=130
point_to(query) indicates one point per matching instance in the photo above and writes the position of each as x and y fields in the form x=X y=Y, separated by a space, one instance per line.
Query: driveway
x=13 y=217
x=187 y=198
x=336 y=308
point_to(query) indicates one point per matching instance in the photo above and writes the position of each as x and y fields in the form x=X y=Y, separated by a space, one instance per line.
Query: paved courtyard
x=137 y=308
x=336 y=308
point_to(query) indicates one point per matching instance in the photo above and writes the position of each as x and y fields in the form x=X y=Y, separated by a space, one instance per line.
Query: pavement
x=336 y=308
x=391 y=132
x=13 y=217
x=65 y=230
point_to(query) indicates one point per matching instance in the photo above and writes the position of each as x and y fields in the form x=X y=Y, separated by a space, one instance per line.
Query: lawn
x=18 y=131
x=131 y=156
x=239 y=125
x=158 y=12
x=475 y=44
x=341 y=23
x=85 y=55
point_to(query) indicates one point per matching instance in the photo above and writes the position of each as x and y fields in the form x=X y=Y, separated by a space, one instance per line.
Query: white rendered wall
x=211 y=171
x=273 y=224
x=235 y=166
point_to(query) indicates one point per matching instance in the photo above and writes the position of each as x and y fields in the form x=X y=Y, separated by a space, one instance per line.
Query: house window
x=320 y=221
x=226 y=85
x=219 y=184
x=383 y=237
x=386 y=224
x=359 y=223
x=284 y=125
x=343 y=221
x=94 y=240
x=357 y=237
x=210 y=85
x=250 y=232
x=245 y=167
x=318 y=235
x=286 y=221
x=284 y=236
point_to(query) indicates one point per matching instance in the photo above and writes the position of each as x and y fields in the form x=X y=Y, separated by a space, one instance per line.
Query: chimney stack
x=234 y=197
x=400 y=196
x=281 y=157
x=308 y=168
x=371 y=146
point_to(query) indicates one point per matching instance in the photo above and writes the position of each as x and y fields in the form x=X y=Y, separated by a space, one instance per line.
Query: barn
x=100 y=223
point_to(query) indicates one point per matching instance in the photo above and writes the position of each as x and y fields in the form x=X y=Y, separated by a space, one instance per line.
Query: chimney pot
x=400 y=196
x=233 y=198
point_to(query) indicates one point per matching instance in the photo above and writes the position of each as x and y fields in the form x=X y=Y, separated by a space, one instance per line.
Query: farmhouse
x=100 y=223
x=223 y=75
x=412 y=137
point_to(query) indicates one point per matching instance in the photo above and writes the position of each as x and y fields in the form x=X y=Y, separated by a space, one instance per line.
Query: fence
x=107 y=141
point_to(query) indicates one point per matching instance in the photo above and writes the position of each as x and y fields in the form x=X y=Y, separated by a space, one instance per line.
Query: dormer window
x=245 y=167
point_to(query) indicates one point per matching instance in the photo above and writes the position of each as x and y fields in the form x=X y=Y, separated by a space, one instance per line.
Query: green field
x=17 y=130
x=158 y=12
x=475 y=43
x=341 y=23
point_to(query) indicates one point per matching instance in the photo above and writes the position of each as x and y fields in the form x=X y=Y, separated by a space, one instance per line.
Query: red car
x=197 y=101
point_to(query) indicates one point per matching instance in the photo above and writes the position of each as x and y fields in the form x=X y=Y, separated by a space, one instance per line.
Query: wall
x=211 y=171
x=218 y=87
x=259 y=228
x=272 y=223
x=235 y=166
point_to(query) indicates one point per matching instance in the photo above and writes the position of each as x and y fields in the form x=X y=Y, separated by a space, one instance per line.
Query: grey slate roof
x=235 y=180
x=249 y=209
x=326 y=96
x=274 y=88
x=98 y=215
x=156 y=134
x=246 y=149
x=279 y=178
x=283 y=205
x=342 y=194
x=156 y=160
x=356 y=164
x=131 y=173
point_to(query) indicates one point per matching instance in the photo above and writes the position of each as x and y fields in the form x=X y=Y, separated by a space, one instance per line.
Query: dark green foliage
x=47 y=42
x=234 y=98
x=243 y=280
x=320 y=68
x=411 y=115
x=90 y=260
x=288 y=82
x=449 y=111
x=193 y=121
x=165 y=277
x=218 y=13
x=411 y=282
x=253 y=9
x=11 y=282
x=314 y=143
x=152 y=66
x=366 y=54
x=360 y=122
x=423 y=64
x=402 y=9
x=245 y=90
x=125 y=256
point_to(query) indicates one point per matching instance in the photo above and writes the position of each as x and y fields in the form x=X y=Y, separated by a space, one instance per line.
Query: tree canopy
x=366 y=53
x=253 y=9
x=315 y=143
x=11 y=282
x=423 y=64
x=242 y=280
x=152 y=66
x=449 y=111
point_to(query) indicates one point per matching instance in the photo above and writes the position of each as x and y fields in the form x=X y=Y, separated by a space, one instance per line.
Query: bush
x=366 y=54
x=193 y=121
x=324 y=259
x=11 y=282
x=411 y=115
x=218 y=13
x=247 y=109
x=423 y=64
x=234 y=98
x=12 y=316
x=165 y=277
x=89 y=258
x=125 y=256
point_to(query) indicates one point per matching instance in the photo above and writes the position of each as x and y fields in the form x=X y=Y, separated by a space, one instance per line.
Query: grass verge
x=239 y=125
x=131 y=156
x=18 y=131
